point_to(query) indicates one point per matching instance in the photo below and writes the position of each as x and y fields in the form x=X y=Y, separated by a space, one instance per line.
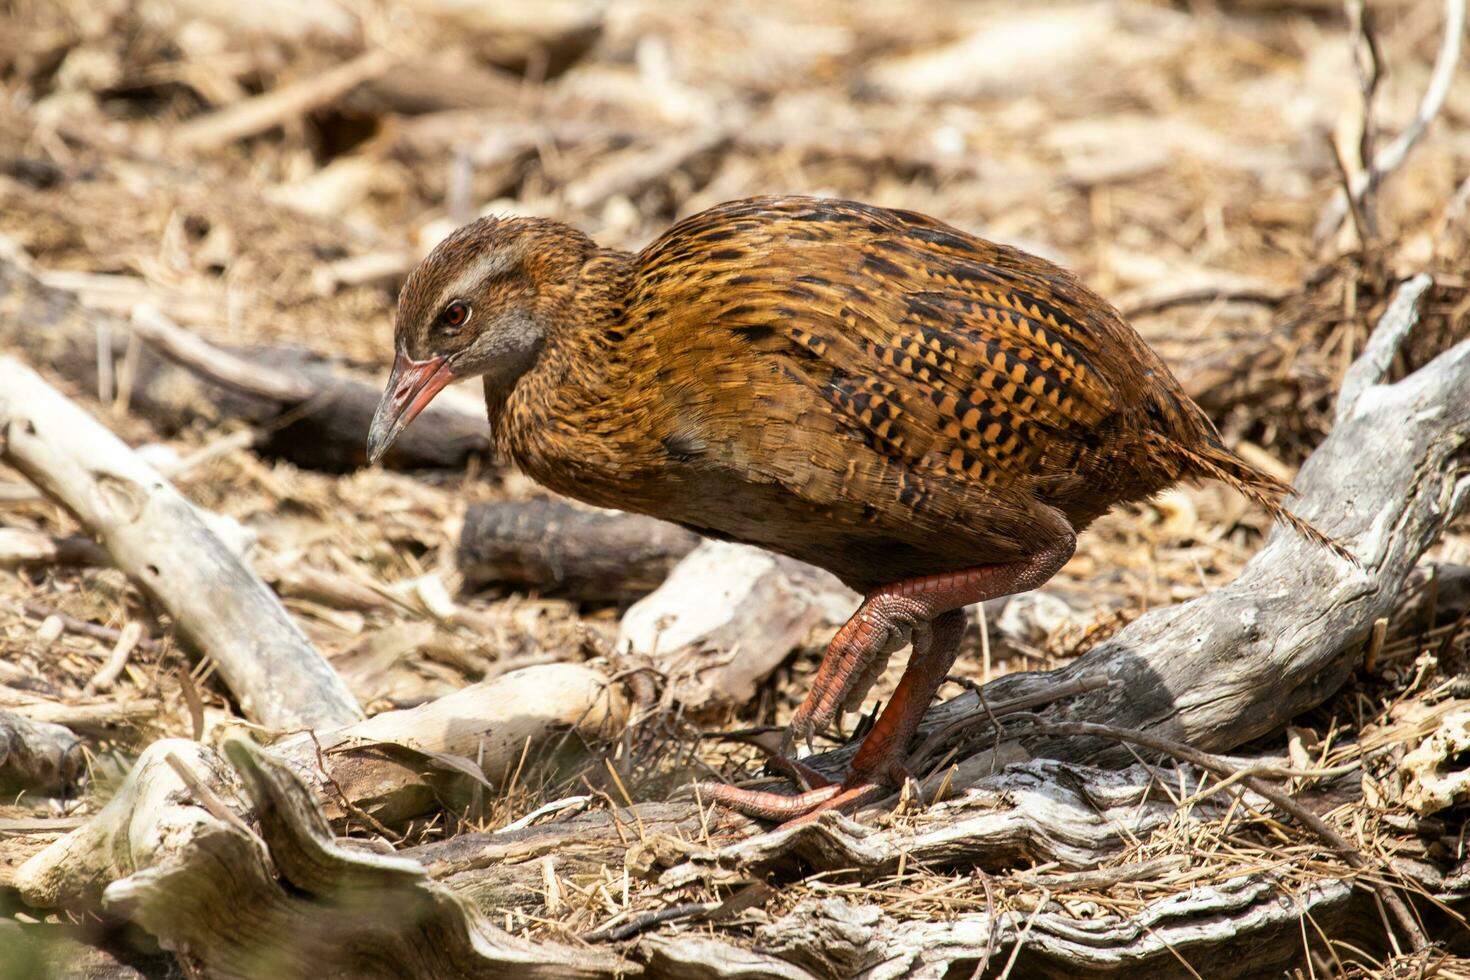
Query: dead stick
x=162 y=543
x=272 y=108
x=221 y=366
x=1391 y=157
x=80 y=626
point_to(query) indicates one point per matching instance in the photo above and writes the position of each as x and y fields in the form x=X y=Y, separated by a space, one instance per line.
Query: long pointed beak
x=411 y=386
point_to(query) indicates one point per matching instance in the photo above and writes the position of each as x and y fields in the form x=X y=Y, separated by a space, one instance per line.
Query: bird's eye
x=456 y=314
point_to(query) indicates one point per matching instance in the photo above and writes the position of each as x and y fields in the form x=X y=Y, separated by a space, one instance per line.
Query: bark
x=553 y=546
x=219 y=606
x=321 y=423
x=37 y=756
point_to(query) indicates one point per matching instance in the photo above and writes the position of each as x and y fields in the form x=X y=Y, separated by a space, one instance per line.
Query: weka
x=931 y=416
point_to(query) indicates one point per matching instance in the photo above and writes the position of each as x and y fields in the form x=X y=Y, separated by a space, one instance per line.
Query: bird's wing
x=949 y=355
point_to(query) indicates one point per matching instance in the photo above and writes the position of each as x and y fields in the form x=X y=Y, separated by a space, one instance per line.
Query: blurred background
x=265 y=173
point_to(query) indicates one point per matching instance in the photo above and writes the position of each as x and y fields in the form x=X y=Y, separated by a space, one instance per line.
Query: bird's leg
x=896 y=610
x=854 y=660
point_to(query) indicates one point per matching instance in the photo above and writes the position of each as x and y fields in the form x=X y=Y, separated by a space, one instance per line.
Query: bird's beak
x=411 y=386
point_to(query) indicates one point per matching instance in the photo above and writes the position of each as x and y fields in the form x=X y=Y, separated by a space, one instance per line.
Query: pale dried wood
x=192 y=351
x=396 y=764
x=629 y=173
x=1392 y=156
x=102 y=718
x=230 y=860
x=728 y=615
x=219 y=606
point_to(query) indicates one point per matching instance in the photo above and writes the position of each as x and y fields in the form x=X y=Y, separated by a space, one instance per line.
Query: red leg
x=889 y=612
x=853 y=661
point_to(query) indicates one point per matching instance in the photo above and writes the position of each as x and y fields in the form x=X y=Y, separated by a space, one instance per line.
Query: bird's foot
x=801 y=808
x=861 y=787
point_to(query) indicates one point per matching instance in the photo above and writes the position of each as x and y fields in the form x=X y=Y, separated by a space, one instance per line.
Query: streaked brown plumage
x=930 y=416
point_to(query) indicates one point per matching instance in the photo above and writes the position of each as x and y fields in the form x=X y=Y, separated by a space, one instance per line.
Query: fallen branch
x=1277 y=798
x=307 y=411
x=253 y=870
x=584 y=554
x=80 y=626
x=388 y=769
x=281 y=105
x=101 y=718
x=396 y=764
x=161 y=541
x=728 y=615
x=182 y=347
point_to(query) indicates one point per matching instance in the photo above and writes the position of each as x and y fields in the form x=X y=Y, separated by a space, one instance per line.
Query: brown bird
x=930 y=416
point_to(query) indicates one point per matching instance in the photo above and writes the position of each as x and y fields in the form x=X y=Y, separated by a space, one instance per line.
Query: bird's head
x=482 y=304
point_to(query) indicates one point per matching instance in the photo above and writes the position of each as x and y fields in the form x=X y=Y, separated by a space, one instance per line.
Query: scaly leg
x=896 y=610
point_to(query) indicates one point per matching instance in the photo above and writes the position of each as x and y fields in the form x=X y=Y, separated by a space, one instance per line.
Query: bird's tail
x=1211 y=458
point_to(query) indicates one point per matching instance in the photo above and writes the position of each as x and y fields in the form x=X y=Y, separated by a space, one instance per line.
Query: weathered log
x=161 y=541
x=381 y=771
x=322 y=425
x=177 y=874
x=37 y=756
x=553 y=546
x=278 y=106
x=398 y=764
x=233 y=867
x=727 y=616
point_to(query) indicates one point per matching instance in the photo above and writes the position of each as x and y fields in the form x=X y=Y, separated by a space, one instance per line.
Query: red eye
x=455 y=314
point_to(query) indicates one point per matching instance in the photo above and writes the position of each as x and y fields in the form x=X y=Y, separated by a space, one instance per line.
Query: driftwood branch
x=309 y=411
x=281 y=105
x=163 y=543
x=727 y=616
x=399 y=764
x=382 y=771
x=1373 y=365
x=583 y=554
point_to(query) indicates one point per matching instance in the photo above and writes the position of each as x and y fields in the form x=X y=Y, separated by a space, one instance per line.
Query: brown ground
x=1173 y=155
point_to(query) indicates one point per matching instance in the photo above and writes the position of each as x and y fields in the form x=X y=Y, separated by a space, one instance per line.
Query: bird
x=930 y=416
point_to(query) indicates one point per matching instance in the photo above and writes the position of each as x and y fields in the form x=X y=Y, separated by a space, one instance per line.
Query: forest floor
x=1178 y=157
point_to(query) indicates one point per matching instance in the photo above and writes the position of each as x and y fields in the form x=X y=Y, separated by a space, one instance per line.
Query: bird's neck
x=565 y=410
